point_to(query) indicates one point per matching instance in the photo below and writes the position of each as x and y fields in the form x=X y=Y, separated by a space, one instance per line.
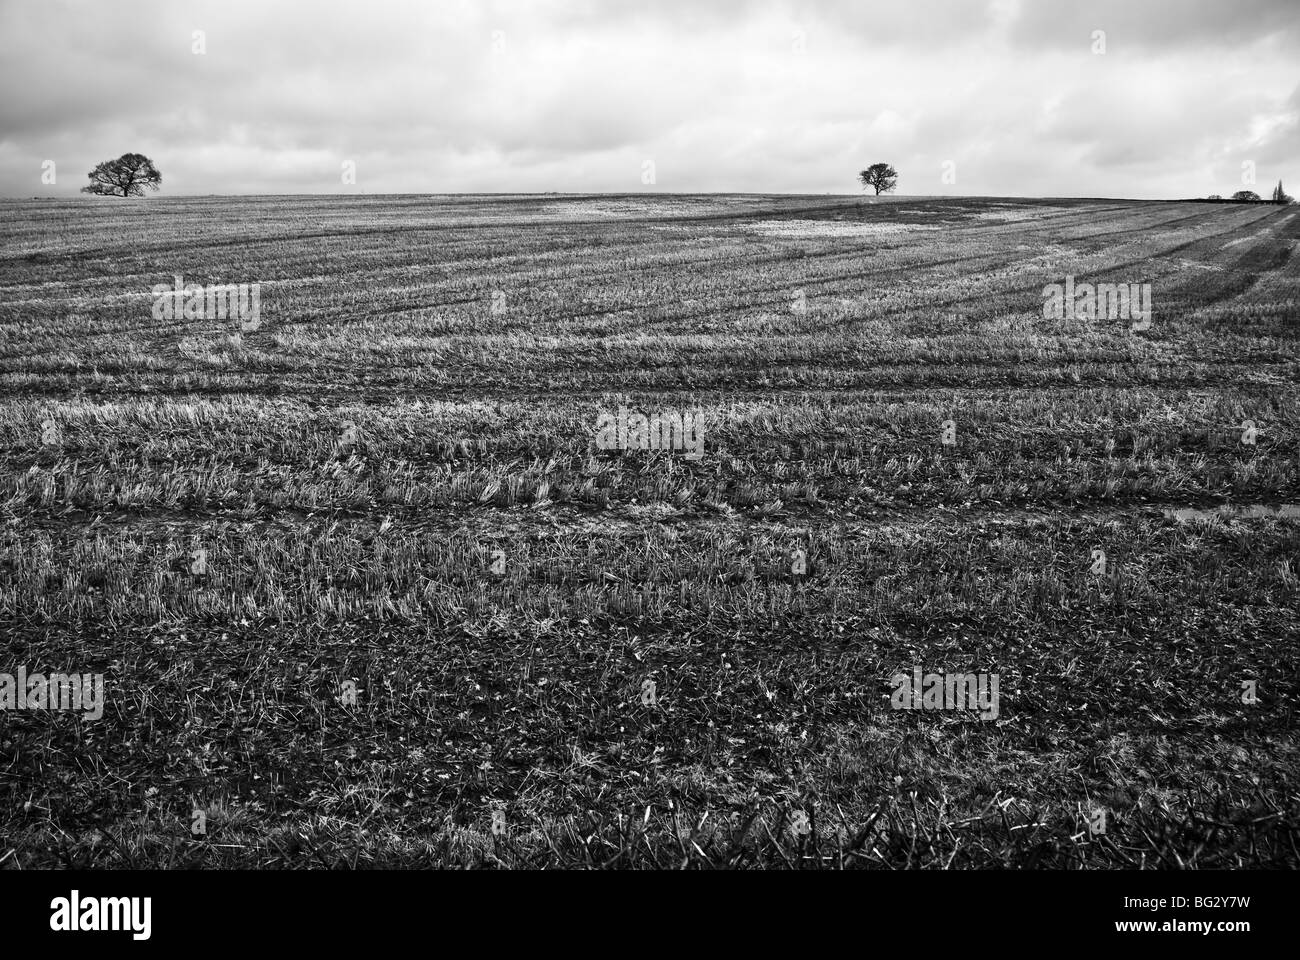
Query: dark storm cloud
x=582 y=95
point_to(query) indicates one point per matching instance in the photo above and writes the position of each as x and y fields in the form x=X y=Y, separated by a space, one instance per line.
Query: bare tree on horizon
x=127 y=176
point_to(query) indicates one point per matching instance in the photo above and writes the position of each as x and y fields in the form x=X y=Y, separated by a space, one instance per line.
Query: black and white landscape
x=649 y=435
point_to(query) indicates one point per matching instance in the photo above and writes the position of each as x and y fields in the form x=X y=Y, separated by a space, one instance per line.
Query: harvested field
x=358 y=572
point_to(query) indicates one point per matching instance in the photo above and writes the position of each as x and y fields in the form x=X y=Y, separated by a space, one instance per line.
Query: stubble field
x=357 y=574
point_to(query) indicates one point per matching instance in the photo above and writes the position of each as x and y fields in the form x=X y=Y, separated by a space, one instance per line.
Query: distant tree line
x=1250 y=196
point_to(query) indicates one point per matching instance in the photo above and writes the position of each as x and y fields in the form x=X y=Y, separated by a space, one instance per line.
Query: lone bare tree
x=881 y=176
x=127 y=176
x=1245 y=196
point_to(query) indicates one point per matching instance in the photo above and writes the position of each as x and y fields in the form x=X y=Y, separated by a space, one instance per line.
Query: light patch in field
x=606 y=210
x=1008 y=215
x=1257 y=235
x=833 y=228
x=1252 y=511
x=623 y=209
x=221 y=352
x=1185 y=264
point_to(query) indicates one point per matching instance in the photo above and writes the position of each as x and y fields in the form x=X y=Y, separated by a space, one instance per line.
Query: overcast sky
x=719 y=95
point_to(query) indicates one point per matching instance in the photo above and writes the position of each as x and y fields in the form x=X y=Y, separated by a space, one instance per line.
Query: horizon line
x=80 y=197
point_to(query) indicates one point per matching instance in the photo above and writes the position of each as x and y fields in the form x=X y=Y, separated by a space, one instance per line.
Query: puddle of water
x=1250 y=511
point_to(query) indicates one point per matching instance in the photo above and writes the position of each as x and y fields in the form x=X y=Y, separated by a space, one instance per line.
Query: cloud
x=577 y=95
